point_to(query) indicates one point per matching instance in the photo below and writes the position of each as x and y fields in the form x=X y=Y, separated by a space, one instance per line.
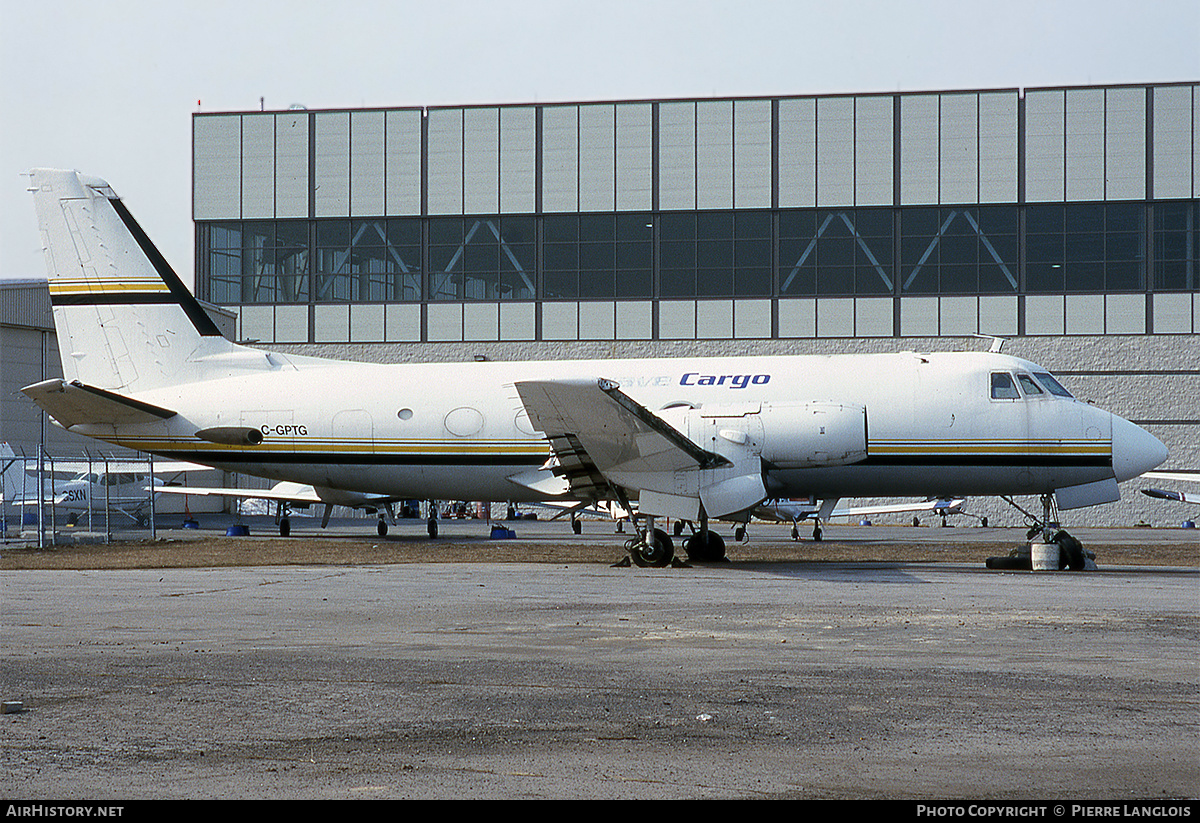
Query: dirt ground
x=218 y=551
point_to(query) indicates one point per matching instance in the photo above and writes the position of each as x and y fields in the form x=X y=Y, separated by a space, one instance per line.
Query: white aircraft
x=121 y=486
x=794 y=511
x=688 y=438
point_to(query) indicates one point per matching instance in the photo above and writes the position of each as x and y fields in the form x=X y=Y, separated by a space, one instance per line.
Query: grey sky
x=109 y=87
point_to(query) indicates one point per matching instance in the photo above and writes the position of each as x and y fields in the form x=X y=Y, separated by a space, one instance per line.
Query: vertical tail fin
x=125 y=321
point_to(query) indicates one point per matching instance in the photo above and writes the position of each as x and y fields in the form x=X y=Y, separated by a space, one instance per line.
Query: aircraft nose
x=1135 y=450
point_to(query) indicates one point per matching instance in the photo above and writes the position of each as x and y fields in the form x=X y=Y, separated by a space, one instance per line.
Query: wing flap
x=591 y=424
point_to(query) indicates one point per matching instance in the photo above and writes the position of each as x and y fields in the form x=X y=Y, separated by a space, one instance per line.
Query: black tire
x=382 y=528
x=285 y=527
x=576 y=526
x=1009 y=563
x=432 y=527
x=699 y=551
x=656 y=552
x=1071 y=551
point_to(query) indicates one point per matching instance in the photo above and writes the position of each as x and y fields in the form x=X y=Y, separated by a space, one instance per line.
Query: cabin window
x=1030 y=388
x=1003 y=387
x=1051 y=385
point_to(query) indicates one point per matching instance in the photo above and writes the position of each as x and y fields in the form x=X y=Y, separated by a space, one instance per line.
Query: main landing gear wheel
x=817 y=533
x=285 y=527
x=432 y=527
x=700 y=550
x=655 y=550
x=382 y=527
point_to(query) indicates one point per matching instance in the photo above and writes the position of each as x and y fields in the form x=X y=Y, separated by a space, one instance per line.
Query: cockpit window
x=1030 y=388
x=1052 y=385
x=1003 y=387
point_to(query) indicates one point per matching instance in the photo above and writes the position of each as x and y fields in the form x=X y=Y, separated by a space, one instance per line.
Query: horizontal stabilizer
x=74 y=403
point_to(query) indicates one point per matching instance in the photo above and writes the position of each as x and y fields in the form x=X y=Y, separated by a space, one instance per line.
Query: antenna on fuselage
x=997 y=342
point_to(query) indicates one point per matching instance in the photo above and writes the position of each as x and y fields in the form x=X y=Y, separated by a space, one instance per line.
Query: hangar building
x=1065 y=219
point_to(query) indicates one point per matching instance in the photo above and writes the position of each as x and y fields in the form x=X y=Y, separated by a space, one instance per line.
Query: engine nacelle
x=809 y=435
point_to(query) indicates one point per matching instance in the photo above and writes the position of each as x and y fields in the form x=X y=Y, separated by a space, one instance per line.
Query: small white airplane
x=1177 y=477
x=794 y=511
x=120 y=485
x=688 y=438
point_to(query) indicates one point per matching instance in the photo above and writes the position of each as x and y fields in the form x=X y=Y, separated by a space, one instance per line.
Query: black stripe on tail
x=195 y=312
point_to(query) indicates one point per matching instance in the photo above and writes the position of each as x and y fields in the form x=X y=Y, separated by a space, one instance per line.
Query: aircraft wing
x=596 y=432
x=294 y=494
x=788 y=510
x=285 y=492
x=1178 y=477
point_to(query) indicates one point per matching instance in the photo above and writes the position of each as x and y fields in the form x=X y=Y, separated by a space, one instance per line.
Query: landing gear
x=817 y=532
x=705 y=547
x=576 y=526
x=381 y=526
x=654 y=549
x=1071 y=553
x=285 y=526
x=431 y=525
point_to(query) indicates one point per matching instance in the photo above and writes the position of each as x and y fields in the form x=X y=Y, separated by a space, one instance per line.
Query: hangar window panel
x=518 y=159
x=1045 y=252
x=635 y=255
x=1172 y=141
x=1125 y=143
x=959 y=250
x=445 y=160
x=1045 y=135
x=797 y=153
x=835 y=151
x=597 y=158
x=677 y=155
x=258 y=166
x=1176 y=236
x=366 y=162
x=919 y=149
x=518 y=246
x=274 y=262
x=216 y=163
x=873 y=151
x=634 y=156
x=560 y=158
x=752 y=154
x=481 y=161
x=714 y=155
x=225 y=262
x=560 y=256
x=1085 y=144
x=403 y=262
x=959 y=149
x=291 y=164
x=331 y=183
x=333 y=263
x=403 y=164
x=998 y=147
x=835 y=252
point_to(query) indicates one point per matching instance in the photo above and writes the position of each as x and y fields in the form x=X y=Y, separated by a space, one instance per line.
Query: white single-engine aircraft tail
x=689 y=438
